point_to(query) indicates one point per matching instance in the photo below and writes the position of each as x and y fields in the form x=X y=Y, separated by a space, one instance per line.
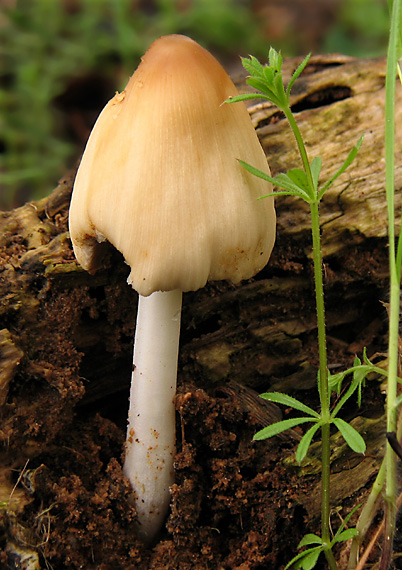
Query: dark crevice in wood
x=271 y=119
x=323 y=97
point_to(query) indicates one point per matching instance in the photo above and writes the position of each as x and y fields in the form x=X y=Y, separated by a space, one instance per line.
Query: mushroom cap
x=160 y=181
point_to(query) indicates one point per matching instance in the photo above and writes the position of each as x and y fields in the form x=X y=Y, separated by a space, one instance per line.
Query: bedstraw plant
x=305 y=183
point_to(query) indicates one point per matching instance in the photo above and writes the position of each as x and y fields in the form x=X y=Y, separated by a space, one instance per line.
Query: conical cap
x=160 y=180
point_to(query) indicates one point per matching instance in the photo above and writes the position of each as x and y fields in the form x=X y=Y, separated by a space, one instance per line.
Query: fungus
x=159 y=180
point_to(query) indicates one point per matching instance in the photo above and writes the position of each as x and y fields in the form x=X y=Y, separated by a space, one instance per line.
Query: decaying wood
x=66 y=337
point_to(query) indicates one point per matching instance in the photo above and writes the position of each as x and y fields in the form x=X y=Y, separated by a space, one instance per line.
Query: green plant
x=395 y=261
x=308 y=558
x=304 y=183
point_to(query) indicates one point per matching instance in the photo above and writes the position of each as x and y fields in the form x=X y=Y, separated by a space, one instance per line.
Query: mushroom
x=159 y=180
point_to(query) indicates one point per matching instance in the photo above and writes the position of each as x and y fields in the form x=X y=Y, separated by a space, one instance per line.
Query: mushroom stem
x=150 y=445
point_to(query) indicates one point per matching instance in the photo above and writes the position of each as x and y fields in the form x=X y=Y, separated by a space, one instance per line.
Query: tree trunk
x=66 y=347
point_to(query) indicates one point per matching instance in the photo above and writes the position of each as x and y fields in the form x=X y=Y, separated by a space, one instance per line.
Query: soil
x=65 y=365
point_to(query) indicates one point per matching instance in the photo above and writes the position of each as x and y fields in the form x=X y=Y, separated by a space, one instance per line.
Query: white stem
x=150 y=445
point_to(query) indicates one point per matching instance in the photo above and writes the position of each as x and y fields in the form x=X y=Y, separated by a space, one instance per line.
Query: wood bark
x=66 y=336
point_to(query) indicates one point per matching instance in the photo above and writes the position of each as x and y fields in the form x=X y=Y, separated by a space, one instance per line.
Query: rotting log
x=66 y=336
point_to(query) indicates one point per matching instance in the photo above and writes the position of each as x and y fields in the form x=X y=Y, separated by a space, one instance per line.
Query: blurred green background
x=62 y=60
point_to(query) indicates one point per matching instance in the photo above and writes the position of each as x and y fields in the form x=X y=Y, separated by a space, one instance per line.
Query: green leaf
x=252 y=65
x=315 y=167
x=265 y=89
x=268 y=74
x=297 y=73
x=359 y=377
x=344 y=523
x=346 y=535
x=305 y=442
x=349 y=392
x=277 y=193
x=260 y=85
x=359 y=374
x=245 y=97
x=279 y=427
x=360 y=370
x=275 y=60
x=365 y=357
x=310 y=558
x=305 y=560
x=286 y=400
x=350 y=435
x=256 y=171
x=267 y=79
x=284 y=181
x=281 y=181
x=309 y=539
x=298 y=176
x=280 y=90
x=341 y=170
x=335 y=381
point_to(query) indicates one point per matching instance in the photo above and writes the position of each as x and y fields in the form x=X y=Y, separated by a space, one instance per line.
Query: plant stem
x=394 y=268
x=323 y=384
x=390 y=457
x=366 y=516
x=322 y=345
x=302 y=150
x=319 y=297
